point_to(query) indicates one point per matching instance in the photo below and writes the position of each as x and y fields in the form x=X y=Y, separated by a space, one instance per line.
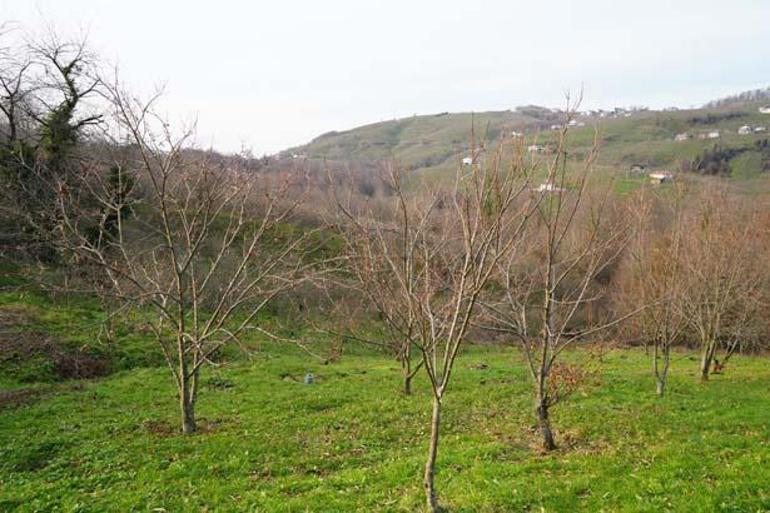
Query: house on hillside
x=745 y=130
x=684 y=136
x=659 y=177
x=474 y=158
x=549 y=187
x=759 y=129
x=714 y=134
x=765 y=109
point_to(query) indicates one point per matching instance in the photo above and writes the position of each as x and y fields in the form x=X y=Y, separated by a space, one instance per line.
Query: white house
x=467 y=161
x=660 y=177
x=765 y=109
x=682 y=137
x=549 y=187
x=714 y=134
x=760 y=129
x=744 y=130
x=535 y=148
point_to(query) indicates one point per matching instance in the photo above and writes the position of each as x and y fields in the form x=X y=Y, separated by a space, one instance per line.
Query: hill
x=436 y=143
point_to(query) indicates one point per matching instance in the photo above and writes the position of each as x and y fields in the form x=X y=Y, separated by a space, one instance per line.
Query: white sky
x=269 y=74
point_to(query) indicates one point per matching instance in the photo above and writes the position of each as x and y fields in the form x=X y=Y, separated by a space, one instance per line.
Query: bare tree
x=202 y=257
x=44 y=87
x=722 y=275
x=556 y=279
x=15 y=87
x=654 y=277
x=439 y=253
x=382 y=256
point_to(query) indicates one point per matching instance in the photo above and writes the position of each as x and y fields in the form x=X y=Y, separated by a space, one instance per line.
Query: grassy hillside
x=434 y=144
x=349 y=442
x=419 y=141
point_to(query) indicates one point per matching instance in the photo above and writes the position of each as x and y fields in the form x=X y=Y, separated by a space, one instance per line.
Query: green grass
x=73 y=325
x=351 y=442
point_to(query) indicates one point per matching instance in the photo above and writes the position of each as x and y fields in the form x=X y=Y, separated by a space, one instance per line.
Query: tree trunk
x=430 y=464
x=408 y=382
x=406 y=366
x=541 y=410
x=661 y=375
x=706 y=359
x=187 y=405
x=188 y=388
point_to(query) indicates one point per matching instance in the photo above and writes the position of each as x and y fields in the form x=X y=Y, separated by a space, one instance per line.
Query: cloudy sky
x=269 y=74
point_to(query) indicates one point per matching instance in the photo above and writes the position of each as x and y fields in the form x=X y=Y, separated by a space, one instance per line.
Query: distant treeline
x=755 y=95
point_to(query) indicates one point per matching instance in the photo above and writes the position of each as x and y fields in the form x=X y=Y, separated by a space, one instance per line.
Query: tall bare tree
x=722 y=275
x=200 y=251
x=45 y=85
x=439 y=253
x=653 y=270
x=382 y=256
x=551 y=285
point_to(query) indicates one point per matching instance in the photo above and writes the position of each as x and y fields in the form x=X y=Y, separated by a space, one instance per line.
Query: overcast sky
x=269 y=74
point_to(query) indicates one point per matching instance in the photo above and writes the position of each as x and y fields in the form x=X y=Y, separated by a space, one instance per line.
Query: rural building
x=660 y=177
x=474 y=158
x=765 y=109
x=549 y=187
x=637 y=168
x=714 y=134
x=682 y=137
x=535 y=148
x=745 y=130
x=760 y=129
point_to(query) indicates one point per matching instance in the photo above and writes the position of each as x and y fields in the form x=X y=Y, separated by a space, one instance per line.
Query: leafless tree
x=438 y=254
x=45 y=84
x=553 y=280
x=15 y=86
x=382 y=256
x=192 y=243
x=653 y=271
x=722 y=275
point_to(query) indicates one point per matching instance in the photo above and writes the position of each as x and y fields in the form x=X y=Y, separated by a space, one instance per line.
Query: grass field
x=352 y=442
